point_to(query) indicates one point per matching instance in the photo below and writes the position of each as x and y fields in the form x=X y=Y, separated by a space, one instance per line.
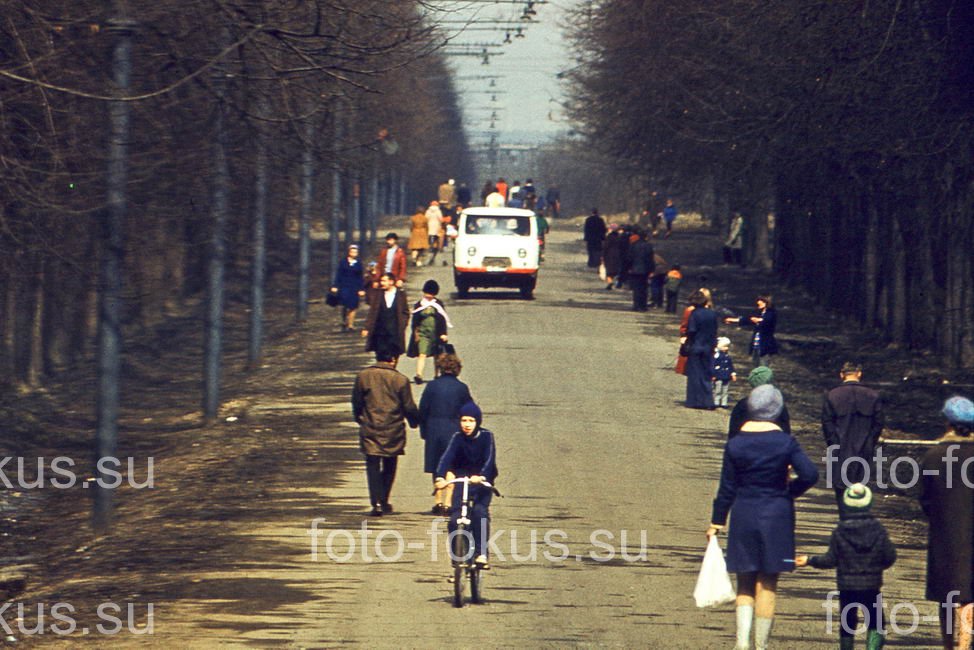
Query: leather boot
x=847 y=642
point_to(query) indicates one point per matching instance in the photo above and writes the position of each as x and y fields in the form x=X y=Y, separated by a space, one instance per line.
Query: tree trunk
x=259 y=263
x=304 y=224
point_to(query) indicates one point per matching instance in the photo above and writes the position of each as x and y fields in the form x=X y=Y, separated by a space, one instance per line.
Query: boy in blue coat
x=722 y=373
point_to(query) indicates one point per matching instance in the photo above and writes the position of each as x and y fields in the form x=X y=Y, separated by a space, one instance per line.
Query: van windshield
x=498 y=226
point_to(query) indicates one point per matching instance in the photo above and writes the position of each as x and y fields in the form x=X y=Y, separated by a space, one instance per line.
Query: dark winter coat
x=594 y=230
x=401 y=307
x=859 y=550
x=948 y=501
x=439 y=415
x=723 y=366
x=641 y=258
x=349 y=280
x=614 y=253
x=755 y=491
x=382 y=403
x=763 y=336
x=852 y=418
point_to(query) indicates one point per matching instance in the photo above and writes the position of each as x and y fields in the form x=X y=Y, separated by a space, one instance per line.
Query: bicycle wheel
x=459 y=561
x=475 y=584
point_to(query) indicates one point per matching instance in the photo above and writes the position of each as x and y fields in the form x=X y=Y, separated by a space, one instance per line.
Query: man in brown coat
x=382 y=402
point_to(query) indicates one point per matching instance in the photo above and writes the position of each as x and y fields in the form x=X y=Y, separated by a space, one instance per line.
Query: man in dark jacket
x=594 y=236
x=641 y=265
x=860 y=550
x=852 y=420
x=382 y=403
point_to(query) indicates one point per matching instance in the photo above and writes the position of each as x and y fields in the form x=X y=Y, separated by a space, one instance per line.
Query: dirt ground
x=162 y=535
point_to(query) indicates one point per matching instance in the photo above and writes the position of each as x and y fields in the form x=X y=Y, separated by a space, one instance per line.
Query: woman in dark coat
x=349 y=286
x=439 y=417
x=755 y=490
x=764 y=321
x=701 y=340
x=613 y=255
x=948 y=501
x=385 y=326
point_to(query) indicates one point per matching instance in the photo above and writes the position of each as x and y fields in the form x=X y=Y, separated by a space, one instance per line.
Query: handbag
x=713 y=583
x=685 y=349
x=332 y=299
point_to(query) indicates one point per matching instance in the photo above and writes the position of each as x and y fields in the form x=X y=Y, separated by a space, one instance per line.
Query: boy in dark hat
x=860 y=550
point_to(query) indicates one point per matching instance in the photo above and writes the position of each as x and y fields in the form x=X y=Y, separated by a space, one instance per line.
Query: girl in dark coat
x=701 y=339
x=385 y=326
x=764 y=321
x=349 y=286
x=757 y=493
x=429 y=325
x=439 y=413
x=948 y=502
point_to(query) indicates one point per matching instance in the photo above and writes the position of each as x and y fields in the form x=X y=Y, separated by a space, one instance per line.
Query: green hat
x=857 y=496
x=760 y=376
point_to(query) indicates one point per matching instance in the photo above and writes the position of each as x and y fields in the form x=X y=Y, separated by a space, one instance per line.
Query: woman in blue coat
x=439 y=413
x=757 y=492
x=701 y=340
x=349 y=286
x=764 y=321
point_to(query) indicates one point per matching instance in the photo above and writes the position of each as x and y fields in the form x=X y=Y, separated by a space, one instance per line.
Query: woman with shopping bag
x=758 y=493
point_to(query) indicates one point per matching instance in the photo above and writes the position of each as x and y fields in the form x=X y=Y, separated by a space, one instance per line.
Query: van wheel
x=462 y=290
x=527 y=290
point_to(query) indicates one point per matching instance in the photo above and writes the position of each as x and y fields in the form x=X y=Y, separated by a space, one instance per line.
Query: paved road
x=595 y=452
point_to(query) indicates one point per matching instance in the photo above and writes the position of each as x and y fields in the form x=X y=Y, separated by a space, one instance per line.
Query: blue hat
x=470 y=409
x=959 y=410
x=765 y=403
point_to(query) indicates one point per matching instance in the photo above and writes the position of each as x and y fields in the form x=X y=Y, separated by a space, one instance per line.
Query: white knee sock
x=745 y=614
x=762 y=632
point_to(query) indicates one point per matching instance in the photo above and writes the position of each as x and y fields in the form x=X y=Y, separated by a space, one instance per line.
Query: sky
x=527 y=70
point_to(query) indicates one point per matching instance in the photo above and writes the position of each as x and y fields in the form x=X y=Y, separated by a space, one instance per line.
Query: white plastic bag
x=602 y=274
x=713 y=584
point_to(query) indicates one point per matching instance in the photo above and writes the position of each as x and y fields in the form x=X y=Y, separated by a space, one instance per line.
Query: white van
x=496 y=247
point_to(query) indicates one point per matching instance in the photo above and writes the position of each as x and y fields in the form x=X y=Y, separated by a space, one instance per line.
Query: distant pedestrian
x=418 y=235
x=501 y=188
x=553 y=200
x=486 y=191
x=494 y=200
x=755 y=490
x=701 y=296
x=382 y=404
x=734 y=244
x=674 y=278
x=385 y=325
x=434 y=229
x=669 y=216
x=446 y=195
x=439 y=417
x=738 y=416
x=429 y=327
x=948 y=501
x=852 y=421
x=349 y=286
x=464 y=196
x=657 y=279
x=613 y=255
x=701 y=340
x=764 y=321
x=391 y=259
x=594 y=235
x=860 y=550
x=641 y=263
x=723 y=371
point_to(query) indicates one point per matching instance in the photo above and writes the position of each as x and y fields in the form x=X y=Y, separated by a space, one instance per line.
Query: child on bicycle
x=471 y=453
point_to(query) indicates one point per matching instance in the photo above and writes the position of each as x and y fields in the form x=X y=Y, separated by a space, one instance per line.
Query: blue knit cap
x=470 y=409
x=959 y=410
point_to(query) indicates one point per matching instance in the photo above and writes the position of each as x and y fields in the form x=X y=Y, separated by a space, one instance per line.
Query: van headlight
x=471 y=251
x=522 y=253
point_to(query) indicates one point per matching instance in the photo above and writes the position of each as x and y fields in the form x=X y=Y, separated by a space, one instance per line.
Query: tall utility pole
x=110 y=297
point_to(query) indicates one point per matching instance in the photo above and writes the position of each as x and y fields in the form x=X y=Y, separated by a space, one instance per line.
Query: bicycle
x=461 y=549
